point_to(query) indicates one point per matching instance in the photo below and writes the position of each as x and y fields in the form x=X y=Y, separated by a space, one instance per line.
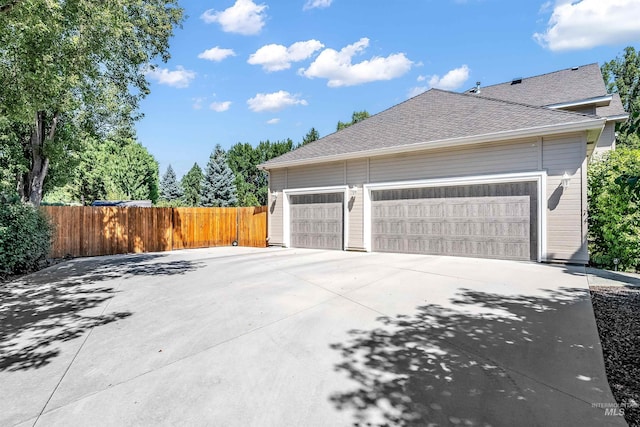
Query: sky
x=250 y=71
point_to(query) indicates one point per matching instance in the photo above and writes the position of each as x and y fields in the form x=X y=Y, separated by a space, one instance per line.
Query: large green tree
x=170 y=189
x=218 y=185
x=243 y=159
x=192 y=185
x=70 y=65
x=356 y=117
x=312 y=135
x=622 y=76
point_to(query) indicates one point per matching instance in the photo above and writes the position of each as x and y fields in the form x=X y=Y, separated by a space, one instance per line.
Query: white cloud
x=320 y=4
x=179 y=78
x=589 y=23
x=244 y=17
x=421 y=78
x=216 y=54
x=275 y=57
x=274 y=101
x=415 y=91
x=338 y=69
x=452 y=80
x=274 y=121
x=219 y=107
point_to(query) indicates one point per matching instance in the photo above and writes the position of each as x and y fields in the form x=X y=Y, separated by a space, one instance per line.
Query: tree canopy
x=72 y=68
x=192 y=185
x=170 y=189
x=622 y=76
x=218 y=185
x=356 y=117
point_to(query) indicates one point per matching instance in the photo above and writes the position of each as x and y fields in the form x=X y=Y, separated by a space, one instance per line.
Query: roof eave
x=617 y=118
x=596 y=123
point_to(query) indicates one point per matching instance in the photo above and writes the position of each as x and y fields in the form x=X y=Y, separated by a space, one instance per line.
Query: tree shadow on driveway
x=63 y=302
x=486 y=359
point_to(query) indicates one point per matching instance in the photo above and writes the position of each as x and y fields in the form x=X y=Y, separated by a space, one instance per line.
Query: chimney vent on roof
x=516 y=81
x=574 y=68
x=475 y=89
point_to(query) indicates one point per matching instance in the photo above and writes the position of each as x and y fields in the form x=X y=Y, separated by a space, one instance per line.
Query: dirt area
x=617 y=312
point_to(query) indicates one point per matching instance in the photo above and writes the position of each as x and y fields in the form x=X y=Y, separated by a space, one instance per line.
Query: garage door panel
x=493 y=227
x=316 y=221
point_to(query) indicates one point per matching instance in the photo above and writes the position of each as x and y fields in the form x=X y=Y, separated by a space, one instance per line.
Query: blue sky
x=247 y=71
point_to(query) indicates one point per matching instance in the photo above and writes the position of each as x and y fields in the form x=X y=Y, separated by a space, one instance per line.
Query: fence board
x=93 y=231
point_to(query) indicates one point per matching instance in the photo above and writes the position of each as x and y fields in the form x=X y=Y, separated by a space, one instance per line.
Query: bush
x=614 y=210
x=25 y=236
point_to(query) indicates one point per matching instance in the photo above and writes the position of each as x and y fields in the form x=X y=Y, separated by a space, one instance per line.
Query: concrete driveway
x=290 y=337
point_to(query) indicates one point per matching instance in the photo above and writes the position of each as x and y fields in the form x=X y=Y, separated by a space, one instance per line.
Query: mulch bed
x=617 y=312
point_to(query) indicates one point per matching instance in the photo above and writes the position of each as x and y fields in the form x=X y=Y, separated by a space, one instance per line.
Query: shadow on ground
x=63 y=302
x=443 y=365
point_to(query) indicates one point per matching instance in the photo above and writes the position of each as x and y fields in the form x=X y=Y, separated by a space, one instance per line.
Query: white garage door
x=460 y=224
x=317 y=221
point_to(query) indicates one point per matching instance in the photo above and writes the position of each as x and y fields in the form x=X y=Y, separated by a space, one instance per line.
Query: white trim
x=540 y=177
x=443 y=143
x=286 y=213
x=617 y=118
x=602 y=100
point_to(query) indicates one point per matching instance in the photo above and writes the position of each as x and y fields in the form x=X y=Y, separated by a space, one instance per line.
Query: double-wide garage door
x=488 y=221
x=317 y=221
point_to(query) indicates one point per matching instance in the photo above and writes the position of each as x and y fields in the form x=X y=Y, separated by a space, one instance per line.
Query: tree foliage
x=192 y=185
x=614 y=209
x=72 y=66
x=356 y=117
x=312 y=135
x=25 y=236
x=170 y=189
x=218 y=185
x=622 y=76
x=252 y=183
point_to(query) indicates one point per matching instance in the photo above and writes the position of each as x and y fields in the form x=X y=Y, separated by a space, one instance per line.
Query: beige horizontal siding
x=565 y=228
x=356 y=175
x=479 y=159
x=321 y=175
x=277 y=183
x=607 y=139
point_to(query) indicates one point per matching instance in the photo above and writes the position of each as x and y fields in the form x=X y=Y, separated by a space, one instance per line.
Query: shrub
x=25 y=236
x=614 y=210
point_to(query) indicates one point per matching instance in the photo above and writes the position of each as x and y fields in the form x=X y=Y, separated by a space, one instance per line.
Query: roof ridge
x=539 y=75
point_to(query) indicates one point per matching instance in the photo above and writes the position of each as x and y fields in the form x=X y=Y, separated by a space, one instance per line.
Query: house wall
x=565 y=226
x=607 y=140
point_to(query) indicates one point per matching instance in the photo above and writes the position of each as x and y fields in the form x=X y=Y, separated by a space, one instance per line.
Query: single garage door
x=317 y=221
x=487 y=221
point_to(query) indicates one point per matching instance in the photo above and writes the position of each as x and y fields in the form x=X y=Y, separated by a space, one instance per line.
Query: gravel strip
x=617 y=312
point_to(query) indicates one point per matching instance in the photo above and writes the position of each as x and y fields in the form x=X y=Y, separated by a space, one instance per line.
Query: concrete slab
x=241 y=336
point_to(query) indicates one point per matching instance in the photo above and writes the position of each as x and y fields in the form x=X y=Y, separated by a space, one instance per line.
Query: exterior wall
x=607 y=140
x=566 y=227
x=357 y=174
x=277 y=183
x=566 y=208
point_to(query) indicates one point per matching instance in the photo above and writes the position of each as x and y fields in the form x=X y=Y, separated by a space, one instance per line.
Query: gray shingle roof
x=434 y=115
x=571 y=84
x=615 y=108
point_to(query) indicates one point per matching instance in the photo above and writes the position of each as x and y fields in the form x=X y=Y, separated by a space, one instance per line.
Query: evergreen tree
x=169 y=188
x=312 y=135
x=191 y=185
x=218 y=185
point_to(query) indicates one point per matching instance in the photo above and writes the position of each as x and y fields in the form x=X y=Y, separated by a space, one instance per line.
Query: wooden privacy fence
x=92 y=231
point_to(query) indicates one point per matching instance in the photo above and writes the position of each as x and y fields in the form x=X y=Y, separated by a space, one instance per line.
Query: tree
x=356 y=117
x=622 y=75
x=170 y=189
x=614 y=209
x=218 y=185
x=191 y=185
x=252 y=183
x=71 y=65
x=312 y=135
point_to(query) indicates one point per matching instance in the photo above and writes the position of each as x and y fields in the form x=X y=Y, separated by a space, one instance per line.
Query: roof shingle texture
x=572 y=84
x=432 y=116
